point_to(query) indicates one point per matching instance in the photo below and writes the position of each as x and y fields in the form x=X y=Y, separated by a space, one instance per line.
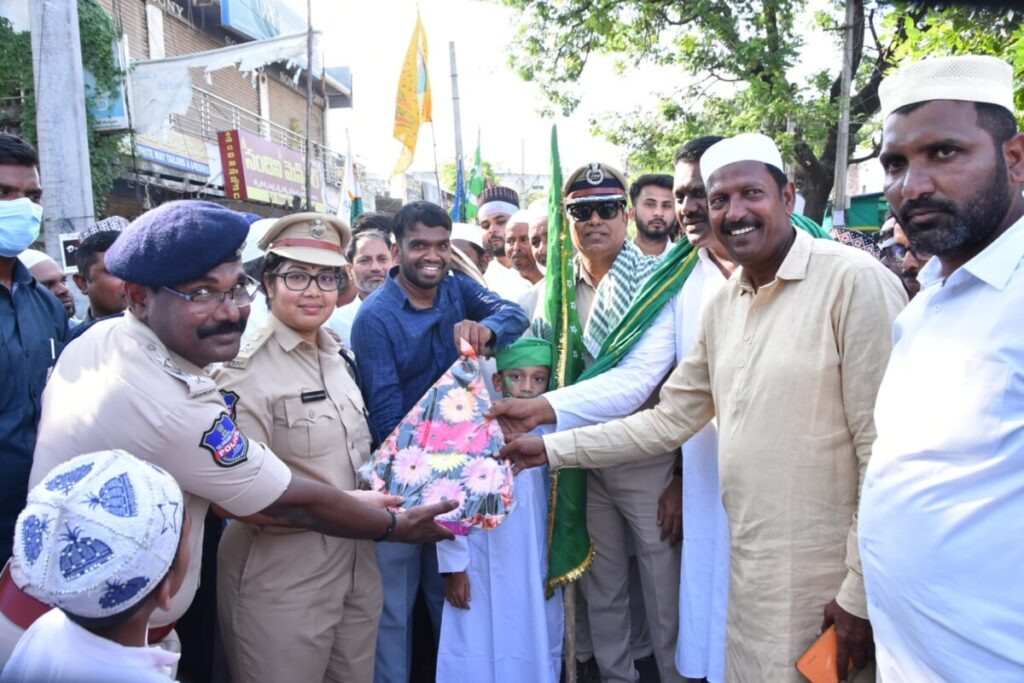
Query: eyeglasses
x=583 y=212
x=208 y=299
x=898 y=252
x=298 y=281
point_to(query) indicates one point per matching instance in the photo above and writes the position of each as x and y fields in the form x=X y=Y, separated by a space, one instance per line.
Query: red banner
x=264 y=171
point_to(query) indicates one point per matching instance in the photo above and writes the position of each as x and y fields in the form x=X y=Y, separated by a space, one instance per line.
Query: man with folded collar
x=942 y=510
x=139 y=383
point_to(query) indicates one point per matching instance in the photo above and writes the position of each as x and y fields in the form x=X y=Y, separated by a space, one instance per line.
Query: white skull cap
x=473 y=234
x=742 y=147
x=968 y=78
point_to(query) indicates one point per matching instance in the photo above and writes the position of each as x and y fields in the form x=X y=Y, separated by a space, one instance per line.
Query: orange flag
x=413 y=105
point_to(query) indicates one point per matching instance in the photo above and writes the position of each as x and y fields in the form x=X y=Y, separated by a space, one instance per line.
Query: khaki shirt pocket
x=309 y=430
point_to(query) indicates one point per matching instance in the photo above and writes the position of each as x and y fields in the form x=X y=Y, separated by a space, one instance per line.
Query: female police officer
x=296 y=605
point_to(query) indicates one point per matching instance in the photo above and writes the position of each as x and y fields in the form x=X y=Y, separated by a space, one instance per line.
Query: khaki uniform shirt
x=586 y=293
x=301 y=401
x=118 y=386
x=791 y=371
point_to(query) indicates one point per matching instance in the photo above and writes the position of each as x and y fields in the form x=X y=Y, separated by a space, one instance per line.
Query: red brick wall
x=287 y=102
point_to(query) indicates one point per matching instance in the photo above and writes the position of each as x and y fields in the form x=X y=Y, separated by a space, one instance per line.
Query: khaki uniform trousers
x=622 y=506
x=297 y=606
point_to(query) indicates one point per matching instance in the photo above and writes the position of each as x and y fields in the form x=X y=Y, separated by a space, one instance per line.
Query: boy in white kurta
x=100 y=539
x=497 y=624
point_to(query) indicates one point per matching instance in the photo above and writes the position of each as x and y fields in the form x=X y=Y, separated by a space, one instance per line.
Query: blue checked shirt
x=401 y=350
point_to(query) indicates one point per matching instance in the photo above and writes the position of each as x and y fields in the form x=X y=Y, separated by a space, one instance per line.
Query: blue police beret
x=177 y=242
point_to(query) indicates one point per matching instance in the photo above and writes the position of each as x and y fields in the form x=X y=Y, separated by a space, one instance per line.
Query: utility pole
x=309 y=105
x=61 y=127
x=458 y=119
x=840 y=201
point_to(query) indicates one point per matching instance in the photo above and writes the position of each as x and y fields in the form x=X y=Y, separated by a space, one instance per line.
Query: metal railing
x=210 y=114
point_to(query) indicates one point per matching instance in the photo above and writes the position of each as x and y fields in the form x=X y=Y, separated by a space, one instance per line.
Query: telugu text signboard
x=264 y=171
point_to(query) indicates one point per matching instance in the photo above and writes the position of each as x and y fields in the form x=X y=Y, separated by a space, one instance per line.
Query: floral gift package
x=445 y=449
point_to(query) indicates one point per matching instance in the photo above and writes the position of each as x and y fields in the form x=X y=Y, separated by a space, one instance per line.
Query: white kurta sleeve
x=453 y=556
x=623 y=389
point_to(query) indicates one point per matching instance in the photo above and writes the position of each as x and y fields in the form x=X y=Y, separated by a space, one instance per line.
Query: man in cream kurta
x=790 y=368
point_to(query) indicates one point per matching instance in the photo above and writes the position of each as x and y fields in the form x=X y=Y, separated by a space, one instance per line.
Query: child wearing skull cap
x=101 y=540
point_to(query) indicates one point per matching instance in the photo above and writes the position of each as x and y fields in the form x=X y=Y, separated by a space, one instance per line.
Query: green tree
x=740 y=57
x=448 y=174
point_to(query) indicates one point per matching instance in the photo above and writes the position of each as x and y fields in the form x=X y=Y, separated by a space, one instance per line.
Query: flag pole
x=309 y=104
x=458 y=116
x=437 y=174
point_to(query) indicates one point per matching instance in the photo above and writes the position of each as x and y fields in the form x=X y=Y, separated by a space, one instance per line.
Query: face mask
x=19 y=225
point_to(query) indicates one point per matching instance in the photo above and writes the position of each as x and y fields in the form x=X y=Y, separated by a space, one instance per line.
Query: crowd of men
x=775 y=441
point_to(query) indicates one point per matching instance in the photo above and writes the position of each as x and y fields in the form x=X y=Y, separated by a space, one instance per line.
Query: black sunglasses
x=606 y=210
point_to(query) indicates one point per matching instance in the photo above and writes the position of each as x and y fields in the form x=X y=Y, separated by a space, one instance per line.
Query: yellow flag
x=413 y=105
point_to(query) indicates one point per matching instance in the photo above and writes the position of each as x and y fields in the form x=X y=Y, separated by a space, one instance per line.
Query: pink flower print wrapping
x=445 y=449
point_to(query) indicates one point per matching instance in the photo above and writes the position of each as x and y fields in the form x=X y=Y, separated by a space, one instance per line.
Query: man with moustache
x=138 y=383
x=369 y=258
x=497 y=204
x=517 y=246
x=607 y=272
x=697 y=516
x=405 y=336
x=653 y=213
x=943 y=502
x=788 y=357
x=900 y=257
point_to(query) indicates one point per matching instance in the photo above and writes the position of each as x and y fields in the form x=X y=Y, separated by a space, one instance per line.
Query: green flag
x=571 y=550
x=475 y=184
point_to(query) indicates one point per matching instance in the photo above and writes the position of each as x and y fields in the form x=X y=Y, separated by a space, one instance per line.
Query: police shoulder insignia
x=231 y=401
x=225 y=441
x=248 y=350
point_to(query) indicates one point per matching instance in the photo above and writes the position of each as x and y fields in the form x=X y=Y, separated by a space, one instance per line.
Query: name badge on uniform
x=313 y=396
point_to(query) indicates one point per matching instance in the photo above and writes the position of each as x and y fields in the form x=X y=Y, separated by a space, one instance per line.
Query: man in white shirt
x=942 y=510
x=497 y=204
x=369 y=255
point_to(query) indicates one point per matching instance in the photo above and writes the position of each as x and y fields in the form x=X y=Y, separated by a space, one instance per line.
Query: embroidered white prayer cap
x=742 y=147
x=98 y=534
x=473 y=234
x=968 y=78
x=112 y=224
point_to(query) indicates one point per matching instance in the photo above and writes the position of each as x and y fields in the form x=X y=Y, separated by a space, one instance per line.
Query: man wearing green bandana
x=608 y=272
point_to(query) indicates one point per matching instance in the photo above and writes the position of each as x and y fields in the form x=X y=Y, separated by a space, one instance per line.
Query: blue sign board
x=259 y=19
x=172 y=160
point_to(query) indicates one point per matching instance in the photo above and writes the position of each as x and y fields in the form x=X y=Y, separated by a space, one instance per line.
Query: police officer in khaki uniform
x=292 y=390
x=138 y=383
